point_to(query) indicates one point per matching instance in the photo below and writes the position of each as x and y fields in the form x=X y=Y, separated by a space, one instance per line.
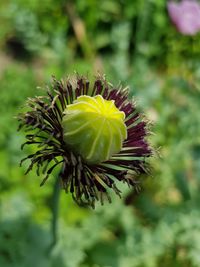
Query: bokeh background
x=133 y=42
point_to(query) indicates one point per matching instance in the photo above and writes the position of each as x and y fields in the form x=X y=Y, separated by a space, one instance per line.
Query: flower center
x=94 y=128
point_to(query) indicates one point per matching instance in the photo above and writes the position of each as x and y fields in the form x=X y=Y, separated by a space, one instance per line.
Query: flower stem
x=55 y=211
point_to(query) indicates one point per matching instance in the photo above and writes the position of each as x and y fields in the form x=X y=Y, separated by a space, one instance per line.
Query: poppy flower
x=185 y=15
x=92 y=131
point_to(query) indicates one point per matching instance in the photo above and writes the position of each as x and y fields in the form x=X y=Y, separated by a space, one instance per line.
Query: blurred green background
x=133 y=42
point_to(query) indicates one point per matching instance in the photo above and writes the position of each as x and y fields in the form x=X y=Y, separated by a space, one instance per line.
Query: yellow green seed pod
x=94 y=128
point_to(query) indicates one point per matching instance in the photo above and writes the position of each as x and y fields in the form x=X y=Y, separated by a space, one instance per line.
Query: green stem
x=55 y=211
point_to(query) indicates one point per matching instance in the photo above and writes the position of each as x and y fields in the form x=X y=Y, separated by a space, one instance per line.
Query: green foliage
x=131 y=41
x=17 y=83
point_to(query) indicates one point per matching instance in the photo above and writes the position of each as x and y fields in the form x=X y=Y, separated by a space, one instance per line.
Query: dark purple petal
x=128 y=108
x=98 y=88
x=132 y=119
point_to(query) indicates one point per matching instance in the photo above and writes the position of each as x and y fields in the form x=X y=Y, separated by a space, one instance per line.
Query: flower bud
x=94 y=128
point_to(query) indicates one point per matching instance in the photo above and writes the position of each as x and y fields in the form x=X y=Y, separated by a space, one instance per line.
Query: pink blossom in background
x=185 y=15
